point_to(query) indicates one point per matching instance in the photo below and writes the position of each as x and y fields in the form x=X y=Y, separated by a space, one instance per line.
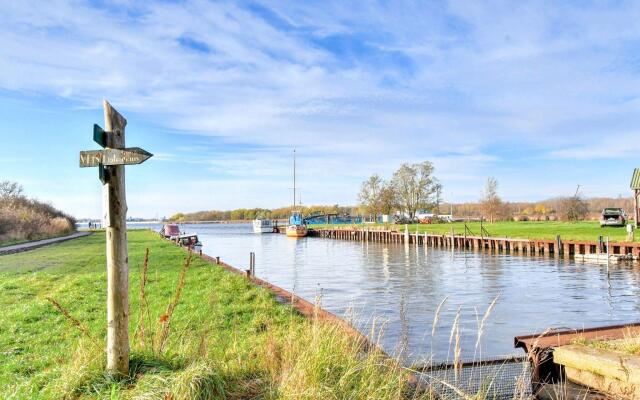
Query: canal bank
x=400 y=287
x=226 y=339
x=509 y=376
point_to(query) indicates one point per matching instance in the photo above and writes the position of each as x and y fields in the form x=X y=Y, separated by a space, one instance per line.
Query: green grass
x=627 y=345
x=228 y=338
x=584 y=230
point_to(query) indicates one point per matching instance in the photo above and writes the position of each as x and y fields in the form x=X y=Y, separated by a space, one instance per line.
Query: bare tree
x=10 y=190
x=491 y=202
x=369 y=195
x=574 y=208
x=438 y=197
x=388 y=199
x=415 y=186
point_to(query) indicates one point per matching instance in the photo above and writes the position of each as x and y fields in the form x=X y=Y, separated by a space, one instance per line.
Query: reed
x=436 y=316
x=485 y=317
x=143 y=304
x=74 y=321
x=165 y=319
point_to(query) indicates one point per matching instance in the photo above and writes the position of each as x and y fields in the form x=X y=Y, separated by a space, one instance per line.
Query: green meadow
x=583 y=230
x=225 y=339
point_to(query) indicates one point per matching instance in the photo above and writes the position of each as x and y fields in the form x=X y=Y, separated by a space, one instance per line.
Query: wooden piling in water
x=553 y=248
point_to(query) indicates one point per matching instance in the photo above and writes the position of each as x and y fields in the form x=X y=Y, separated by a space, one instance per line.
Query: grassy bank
x=226 y=338
x=584 y=230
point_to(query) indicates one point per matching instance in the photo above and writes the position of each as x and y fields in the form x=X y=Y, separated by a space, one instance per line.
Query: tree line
x=564 y=208
x=246 y=214
x=414 y=187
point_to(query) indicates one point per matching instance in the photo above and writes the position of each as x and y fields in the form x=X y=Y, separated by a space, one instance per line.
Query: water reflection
x=404 y=284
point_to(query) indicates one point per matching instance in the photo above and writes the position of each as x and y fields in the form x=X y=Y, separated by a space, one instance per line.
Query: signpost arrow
x=126 y=156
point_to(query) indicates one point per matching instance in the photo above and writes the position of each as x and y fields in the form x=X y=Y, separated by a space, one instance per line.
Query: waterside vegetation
x=197 y=332
x=23 y=219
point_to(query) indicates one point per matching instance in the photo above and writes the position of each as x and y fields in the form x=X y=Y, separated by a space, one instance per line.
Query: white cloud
x=611 y=146
x=358 y=87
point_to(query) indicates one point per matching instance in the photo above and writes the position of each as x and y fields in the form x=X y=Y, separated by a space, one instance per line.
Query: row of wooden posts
x=557 y=247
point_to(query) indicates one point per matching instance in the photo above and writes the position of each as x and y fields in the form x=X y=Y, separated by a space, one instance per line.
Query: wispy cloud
x=357 y=87
x=610 y=146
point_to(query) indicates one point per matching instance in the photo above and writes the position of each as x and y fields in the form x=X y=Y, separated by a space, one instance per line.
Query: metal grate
x=508 y=378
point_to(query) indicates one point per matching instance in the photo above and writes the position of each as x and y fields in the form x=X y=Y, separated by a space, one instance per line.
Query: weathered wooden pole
x=110 y=163
x=115 y=215
x=636 y=214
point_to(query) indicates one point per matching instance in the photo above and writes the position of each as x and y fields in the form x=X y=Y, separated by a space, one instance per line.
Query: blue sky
x=541 y=95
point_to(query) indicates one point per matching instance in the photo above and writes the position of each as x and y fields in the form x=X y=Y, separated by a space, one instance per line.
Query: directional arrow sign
x=128 y=156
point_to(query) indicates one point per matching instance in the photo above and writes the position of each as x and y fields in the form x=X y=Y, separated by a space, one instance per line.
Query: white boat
x=261 y=225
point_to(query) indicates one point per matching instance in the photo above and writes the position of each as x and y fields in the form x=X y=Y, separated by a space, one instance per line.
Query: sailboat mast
x=294 y=178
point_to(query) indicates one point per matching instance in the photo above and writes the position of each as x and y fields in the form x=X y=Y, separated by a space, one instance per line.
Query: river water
x=399 y=287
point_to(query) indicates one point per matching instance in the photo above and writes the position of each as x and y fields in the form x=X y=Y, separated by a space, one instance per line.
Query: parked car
x=613 y=217
x=401 y=219
x=170 y=230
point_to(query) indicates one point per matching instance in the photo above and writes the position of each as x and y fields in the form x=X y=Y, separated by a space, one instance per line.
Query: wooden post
x=115 y=208
x=635 y=207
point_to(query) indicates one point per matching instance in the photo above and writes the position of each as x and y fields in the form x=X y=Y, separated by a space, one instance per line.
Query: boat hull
x=296 y=231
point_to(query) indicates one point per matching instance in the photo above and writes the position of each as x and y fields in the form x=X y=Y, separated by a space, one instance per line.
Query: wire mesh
x=508 y=378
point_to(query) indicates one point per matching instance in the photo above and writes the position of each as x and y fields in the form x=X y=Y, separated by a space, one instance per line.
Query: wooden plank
x=615 y=365
x=602 y=383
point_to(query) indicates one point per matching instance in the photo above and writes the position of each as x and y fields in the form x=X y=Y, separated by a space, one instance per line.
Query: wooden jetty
x=556 y=248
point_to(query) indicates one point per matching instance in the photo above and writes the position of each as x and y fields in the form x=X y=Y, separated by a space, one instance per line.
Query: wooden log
x=636 y=214
x=117 y=257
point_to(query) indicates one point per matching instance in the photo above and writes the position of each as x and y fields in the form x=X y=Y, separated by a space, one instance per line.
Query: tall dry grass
x=22 y=218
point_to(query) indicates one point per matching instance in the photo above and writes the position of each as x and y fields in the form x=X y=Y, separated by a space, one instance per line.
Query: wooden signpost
x=111 y=162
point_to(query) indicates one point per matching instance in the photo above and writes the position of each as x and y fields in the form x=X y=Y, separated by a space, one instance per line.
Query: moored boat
x=262 y=225
x=190 y=241
x=297 y=226
x=170 y=231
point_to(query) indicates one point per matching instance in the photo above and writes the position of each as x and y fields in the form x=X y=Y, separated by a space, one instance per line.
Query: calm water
x=402 y=285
